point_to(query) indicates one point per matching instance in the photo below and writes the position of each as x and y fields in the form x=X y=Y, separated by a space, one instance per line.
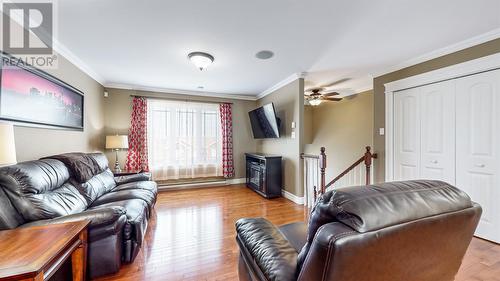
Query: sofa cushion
x=133 y=178
x=295 y=233
x=9 y=217
x=119 y=195
x=41 y=190
x=81 y=165
x=97 y=186
x=145 y=185
x=101 y=160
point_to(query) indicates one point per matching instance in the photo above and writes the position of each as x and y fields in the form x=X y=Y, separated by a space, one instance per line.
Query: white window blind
x=184 y=139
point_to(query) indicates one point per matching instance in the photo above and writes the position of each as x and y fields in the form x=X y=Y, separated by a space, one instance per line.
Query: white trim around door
x=483 y=64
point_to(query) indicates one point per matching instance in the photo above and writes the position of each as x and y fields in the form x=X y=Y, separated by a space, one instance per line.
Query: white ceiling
x=145 y=43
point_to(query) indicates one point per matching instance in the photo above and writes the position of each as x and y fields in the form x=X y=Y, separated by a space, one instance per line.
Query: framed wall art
x=32 y=97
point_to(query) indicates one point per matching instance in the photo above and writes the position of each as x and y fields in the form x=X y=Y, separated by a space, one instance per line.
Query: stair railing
x=314 y=174
x=366 y=159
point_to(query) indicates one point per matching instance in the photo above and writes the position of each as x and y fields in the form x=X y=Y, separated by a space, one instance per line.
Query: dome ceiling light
x=201 y=60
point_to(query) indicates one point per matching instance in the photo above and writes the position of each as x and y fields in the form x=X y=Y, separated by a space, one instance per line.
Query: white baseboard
x=202 y=184
x=236 y=181
x=292 y=197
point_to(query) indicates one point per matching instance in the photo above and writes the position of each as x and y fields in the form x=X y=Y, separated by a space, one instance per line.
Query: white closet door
x=406 y=135
x=478 y=146
x=437 y=111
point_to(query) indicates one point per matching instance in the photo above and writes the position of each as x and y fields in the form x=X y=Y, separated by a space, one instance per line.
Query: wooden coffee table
x=36 y=253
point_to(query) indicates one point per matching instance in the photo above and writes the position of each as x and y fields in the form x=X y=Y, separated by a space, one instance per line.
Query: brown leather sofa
x=78 y=186
x=400 y=231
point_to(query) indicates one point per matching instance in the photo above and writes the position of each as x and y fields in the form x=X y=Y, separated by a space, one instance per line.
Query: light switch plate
x=381 y=131
x=293 y=135
x=293 y=125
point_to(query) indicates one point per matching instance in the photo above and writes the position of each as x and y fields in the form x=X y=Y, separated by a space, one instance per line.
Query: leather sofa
x=400 y=231
x=48 y=191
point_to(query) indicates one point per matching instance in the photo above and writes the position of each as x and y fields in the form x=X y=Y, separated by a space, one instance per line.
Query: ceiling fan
x=315 y=96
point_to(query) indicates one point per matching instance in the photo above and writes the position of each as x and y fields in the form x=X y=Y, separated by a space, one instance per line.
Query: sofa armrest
x=103 y=221
x=319 y=253
x=133 y=178
x=263 y=246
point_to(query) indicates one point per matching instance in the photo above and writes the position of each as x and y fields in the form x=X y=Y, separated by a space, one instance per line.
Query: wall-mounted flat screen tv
x=265 y=124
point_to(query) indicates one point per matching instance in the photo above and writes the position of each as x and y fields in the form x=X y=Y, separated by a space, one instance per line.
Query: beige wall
x=33 y=143
x=475 y=52
x=289 y=105
x=344 y=128
x=308 y=125
x=118 y=107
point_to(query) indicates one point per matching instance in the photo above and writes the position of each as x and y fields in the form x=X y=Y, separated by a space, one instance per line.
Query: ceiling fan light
x=315 y=102
x=201 y=60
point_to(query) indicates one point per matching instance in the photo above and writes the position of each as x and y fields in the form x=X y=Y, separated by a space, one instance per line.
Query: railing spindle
x=322 y=167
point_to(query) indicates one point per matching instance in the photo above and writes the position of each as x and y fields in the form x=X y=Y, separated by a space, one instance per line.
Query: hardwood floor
x=192 y=237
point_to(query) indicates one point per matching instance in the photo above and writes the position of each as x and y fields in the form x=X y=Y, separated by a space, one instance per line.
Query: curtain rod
x=176 y=99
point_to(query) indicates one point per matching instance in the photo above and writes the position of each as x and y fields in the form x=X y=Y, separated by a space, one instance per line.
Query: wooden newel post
x=322 y=167
x=368 y=163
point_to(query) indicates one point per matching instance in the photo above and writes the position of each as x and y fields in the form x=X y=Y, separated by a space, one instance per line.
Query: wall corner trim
x=292 y=197
x=282 y=83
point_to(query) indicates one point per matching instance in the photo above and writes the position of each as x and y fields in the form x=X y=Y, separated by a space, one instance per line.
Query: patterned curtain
x=226 y=118
x=137 y=155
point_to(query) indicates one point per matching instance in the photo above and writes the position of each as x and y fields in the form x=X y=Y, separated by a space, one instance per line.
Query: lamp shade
x=117 y=142
x=7 y=144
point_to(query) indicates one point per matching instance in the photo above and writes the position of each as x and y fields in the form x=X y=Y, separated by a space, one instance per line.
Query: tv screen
x=264 y=122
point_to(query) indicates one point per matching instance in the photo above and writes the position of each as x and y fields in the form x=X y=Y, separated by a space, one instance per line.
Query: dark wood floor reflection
x=193 y=237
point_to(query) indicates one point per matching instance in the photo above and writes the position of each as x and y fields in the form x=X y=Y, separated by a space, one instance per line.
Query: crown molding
x=476 y=40
x=282 y=83
x=76 y=61
x=67 y=54
x=177 y=91
x=364 y=89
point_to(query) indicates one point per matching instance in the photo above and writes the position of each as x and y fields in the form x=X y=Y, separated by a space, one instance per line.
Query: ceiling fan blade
x=336 y=82
x=330 y=94
x=332 y=99
x=313 y=89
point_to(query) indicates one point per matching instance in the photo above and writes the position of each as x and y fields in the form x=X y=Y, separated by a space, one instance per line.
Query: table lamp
x=117 y=143
x=7 y=145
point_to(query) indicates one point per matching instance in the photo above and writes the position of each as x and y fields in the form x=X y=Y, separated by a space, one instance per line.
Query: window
x=184 y=139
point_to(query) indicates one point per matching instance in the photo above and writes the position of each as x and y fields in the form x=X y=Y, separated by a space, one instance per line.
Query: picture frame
x=32 y=97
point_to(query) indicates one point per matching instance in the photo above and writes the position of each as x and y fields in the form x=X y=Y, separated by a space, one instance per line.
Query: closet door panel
x=437 y=111
x=478 y=146
x=406 y=135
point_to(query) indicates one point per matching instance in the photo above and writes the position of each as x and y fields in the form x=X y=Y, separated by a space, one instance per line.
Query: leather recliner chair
x=399 y=231
x=48 y=191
